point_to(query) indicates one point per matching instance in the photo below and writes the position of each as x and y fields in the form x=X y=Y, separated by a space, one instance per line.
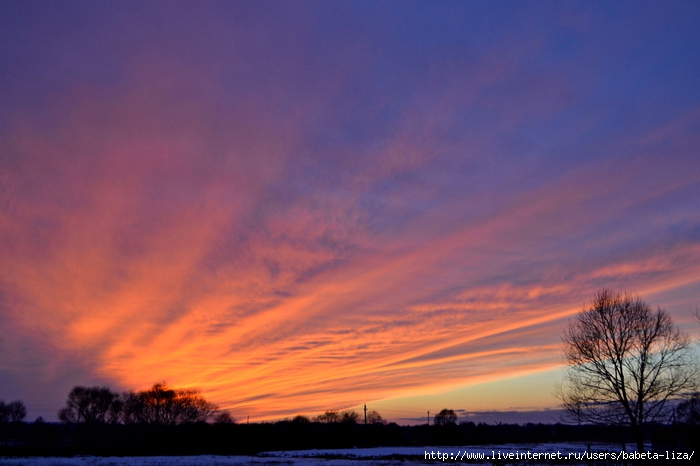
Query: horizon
x=309 y=206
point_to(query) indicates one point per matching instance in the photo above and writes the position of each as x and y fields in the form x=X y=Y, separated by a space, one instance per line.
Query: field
x=388 y=456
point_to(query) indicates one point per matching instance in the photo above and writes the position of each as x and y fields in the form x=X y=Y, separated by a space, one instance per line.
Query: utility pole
x=428 y=417
x=365 y=414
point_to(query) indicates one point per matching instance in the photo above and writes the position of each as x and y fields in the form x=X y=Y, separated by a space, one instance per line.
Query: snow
x=383 y=456
x=204 y=460
x=379 y=452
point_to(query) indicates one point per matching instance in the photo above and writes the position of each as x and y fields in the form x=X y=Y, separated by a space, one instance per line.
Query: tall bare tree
x=625 y=363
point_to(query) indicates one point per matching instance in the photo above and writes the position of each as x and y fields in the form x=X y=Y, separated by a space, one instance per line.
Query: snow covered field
x=383 y=456
x=384 y=452
x=204 y=460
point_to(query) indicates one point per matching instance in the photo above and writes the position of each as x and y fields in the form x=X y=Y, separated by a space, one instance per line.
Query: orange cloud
x=285 y=249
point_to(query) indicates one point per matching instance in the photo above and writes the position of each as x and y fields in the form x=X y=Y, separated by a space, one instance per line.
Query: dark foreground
x=66 y=440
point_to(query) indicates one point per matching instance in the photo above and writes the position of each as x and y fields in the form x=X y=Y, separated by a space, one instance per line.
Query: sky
x=302 y=206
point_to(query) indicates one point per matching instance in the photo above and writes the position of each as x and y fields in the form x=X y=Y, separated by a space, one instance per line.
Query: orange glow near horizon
x=363 y=331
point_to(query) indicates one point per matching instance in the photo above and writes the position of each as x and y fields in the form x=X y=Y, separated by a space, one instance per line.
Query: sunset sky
x=297 y=206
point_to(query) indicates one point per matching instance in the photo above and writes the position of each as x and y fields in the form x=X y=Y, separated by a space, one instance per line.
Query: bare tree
x=445 y=417
x=328 y=417
x=164 y=405
x=373 y=417
x=626 y=362
x=224 y=417
x=349 y=417
x=14 y=411
x=17 y=411
x=132 y=408
x=160 y=404
x=688 y=412
x=91 y=405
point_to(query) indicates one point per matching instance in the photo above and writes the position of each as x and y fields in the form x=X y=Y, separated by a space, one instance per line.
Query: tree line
x=169 y=406
x=346 y=417
x=160 y=404
x=104 y=439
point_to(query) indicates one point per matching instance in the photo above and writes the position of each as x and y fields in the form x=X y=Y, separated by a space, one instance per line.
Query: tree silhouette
x=373 y=417
x=349 y=417
x=688 y=412
x=328 y=417
x=164 y=405
x=160 y=404
x=17 y=411
x=625 y=362
x=445 y=417
x=132 y=408
x=224 y=417
x=91 y=405
x=14 y=411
